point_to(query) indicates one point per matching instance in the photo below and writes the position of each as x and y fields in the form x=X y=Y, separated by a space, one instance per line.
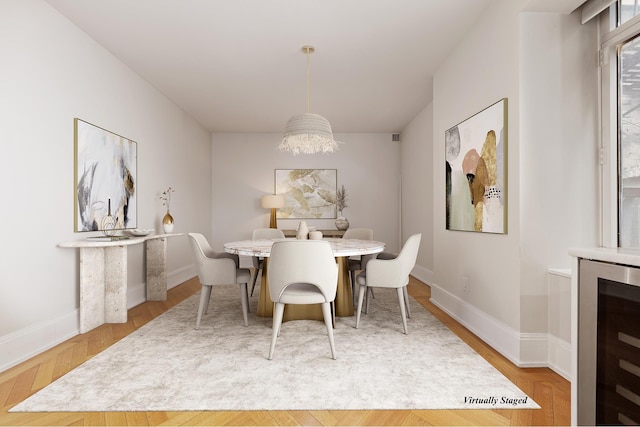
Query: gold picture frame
x=104 y=179
x=476 y=172
x=308 y=193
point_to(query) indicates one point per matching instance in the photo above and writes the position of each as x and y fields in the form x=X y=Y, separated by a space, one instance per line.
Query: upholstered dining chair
x=217 y=268
x=357 y=263
x=390 y=273
x=259 y=234
x=388 y=255
x=302 y=272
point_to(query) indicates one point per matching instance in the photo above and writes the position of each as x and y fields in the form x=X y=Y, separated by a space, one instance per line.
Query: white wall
x=558 y=160
x=416 y=143
x=481 y=71
x=368 y=165
x=52 y=72
x=545 y=65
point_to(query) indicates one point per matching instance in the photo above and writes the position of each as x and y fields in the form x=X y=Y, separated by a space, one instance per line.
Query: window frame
x=610 y=41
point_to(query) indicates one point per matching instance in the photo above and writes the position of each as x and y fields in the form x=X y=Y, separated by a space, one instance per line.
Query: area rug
x=167 y=365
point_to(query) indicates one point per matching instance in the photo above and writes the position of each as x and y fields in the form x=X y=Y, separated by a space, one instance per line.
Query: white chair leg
x=353 y=286
x=326 y=313
x=361 y=293
x=245 y=302
x=205 y=294
x=206 y=306
x=402 y=310
x=247 y=294
x=277 y=322
x=333 y=313
x=406 y=301
x=255 y=278
x=367 y=291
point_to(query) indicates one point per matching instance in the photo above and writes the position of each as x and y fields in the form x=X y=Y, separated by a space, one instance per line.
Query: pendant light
x=308 y=133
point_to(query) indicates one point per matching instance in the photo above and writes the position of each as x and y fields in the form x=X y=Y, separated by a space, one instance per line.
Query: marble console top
x=341 y=247
x=132 y=240
x=612 y=255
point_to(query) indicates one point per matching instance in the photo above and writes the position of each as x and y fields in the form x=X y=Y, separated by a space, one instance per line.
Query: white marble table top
x=132 y=240
x=341 y=247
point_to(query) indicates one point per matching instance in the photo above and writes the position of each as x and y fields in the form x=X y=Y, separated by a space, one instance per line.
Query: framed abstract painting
x=476 y=172
x=105 y=179
x=308 y=193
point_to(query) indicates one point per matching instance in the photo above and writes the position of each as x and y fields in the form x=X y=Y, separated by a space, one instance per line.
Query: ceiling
x=238 y=65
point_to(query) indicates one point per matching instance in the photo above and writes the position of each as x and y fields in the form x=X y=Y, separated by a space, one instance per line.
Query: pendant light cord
x=308 y=85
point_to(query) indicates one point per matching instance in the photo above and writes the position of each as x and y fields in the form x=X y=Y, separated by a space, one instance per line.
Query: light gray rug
x=169 y=366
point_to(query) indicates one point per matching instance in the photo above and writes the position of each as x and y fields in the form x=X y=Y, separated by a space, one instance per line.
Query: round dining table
x=342 y=250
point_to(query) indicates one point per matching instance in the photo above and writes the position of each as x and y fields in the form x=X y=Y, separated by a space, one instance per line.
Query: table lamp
x=273 y=202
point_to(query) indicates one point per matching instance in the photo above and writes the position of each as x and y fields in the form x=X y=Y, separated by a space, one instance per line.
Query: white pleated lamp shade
x=308 y=133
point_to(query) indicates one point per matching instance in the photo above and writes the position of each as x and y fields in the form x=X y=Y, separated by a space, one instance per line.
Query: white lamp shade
x=272 y=201
x=308 y=133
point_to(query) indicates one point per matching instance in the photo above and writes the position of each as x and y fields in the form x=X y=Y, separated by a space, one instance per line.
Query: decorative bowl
x=141 y=231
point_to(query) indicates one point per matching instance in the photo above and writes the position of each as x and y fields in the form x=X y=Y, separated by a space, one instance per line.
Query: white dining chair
x=217 y=268
x=258 y=262
x=388 y=255
x=390 y=273
x=302 y=272
x=357 y=263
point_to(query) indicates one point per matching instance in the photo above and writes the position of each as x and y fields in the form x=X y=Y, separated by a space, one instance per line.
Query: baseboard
x=522 y=349
x=422 y=274
x=28 y=342
x=560 y=356
x=137 y=293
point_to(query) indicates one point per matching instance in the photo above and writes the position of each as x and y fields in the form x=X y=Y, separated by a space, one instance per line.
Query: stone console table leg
x=91 y=288
x=103 y=286
x=156 y=269
x=115 y=292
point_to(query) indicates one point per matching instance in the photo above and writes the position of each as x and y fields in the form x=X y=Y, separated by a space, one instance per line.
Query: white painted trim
x=534 y=350
x=26 y=343
x=562 y=272
x=560 y=356
x=422 y=274
x=522 y=349
x=503 y=339
x=181 y=275
x=592 y=8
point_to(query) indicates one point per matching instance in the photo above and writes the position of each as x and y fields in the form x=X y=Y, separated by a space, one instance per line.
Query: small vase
x=302 y=232
x=342 y=223
x=167 y=223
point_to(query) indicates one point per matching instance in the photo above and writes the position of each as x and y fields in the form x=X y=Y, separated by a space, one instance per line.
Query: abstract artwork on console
x=475 y=161
x=308 y=193
x=105 y=179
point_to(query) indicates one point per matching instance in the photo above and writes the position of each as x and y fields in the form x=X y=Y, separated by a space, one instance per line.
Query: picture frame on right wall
x=476 y=172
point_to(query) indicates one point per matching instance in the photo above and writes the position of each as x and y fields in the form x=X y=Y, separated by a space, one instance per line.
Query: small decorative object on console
x=108 y=225
x=141 y=231
x=167 y=220
x=341 y=202
x=315 y=235
x=302 y=231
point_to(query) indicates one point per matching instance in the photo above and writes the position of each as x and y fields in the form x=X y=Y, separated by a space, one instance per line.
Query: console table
x=325 y=233
x=103 y=277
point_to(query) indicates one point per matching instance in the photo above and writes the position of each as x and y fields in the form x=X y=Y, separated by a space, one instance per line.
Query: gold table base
x=343 y=304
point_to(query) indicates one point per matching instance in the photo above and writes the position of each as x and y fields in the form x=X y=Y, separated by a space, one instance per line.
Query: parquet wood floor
x=547 y=388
